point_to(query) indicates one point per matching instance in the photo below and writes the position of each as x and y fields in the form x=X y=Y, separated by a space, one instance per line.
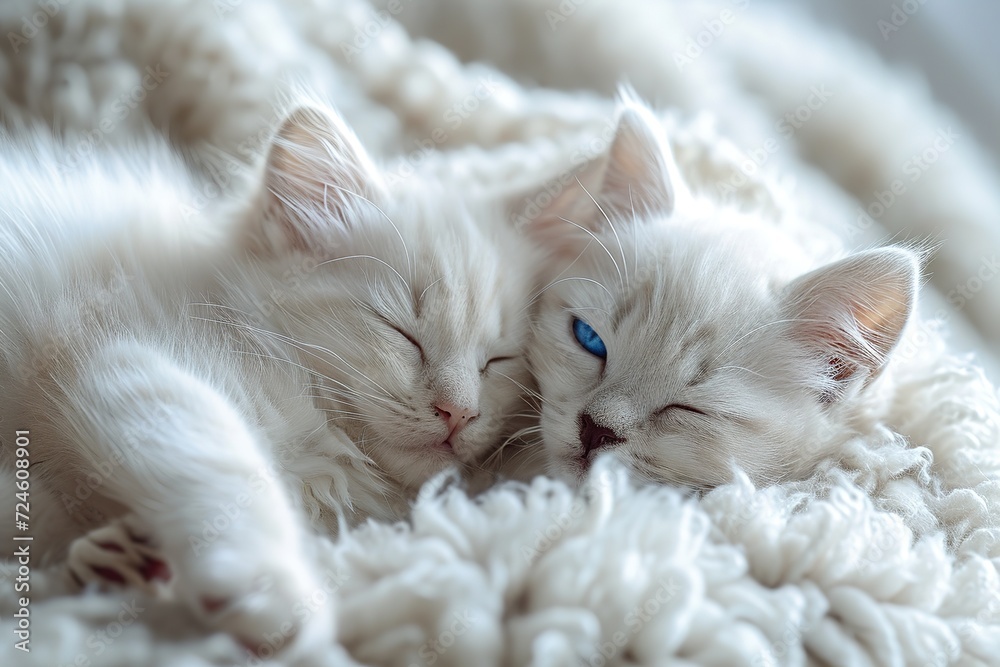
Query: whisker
x=534 y=298
x=373 y=258
x=350 y=392
x=562 y=280
x=353 y=415
x=421 y=297
x=600 y=243
x=600 y=310
x=614 y=231
x=522 y=387
x=635 y=225
x=406 y=251
x=302 y=347
x=753 y=331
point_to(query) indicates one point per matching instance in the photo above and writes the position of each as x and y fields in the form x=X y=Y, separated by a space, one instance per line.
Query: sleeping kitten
x=684 y=337
x=320 y=349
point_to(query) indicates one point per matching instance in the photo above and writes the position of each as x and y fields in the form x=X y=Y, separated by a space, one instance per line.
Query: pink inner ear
x=635 y=180
x=841 y=369
x=853 y=312
x=641 y=175
x=848 y=345
x=317 y=175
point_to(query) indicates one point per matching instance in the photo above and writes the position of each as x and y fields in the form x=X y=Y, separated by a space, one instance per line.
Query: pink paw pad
x=213 y=605
x=114 y=557
x=108 y=574
x=154 y=569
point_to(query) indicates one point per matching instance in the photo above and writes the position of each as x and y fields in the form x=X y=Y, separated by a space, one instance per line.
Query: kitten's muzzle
x=454 y=416
x=594 y=436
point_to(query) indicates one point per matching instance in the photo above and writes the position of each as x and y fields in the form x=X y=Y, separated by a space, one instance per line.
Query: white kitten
x=685 y=337
x=202 y=376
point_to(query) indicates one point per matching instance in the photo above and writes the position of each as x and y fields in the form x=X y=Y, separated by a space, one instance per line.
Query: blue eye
x=588 y=339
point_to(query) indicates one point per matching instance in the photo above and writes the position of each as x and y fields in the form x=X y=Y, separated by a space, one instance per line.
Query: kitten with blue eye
x=316 y=352
x=686 y=338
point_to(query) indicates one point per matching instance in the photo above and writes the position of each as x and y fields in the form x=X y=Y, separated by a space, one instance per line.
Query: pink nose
x=454 y=416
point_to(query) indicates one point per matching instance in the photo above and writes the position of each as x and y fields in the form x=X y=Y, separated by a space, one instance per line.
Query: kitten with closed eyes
x=684 y=337
x=314 y=352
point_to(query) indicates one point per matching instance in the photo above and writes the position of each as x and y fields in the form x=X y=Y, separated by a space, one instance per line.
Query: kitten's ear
x=317 y=174
x=637 y=179
x=641 y=173
x=852 y=313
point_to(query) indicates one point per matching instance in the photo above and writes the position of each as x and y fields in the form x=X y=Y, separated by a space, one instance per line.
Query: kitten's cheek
x=557 y=435
x=579 y=363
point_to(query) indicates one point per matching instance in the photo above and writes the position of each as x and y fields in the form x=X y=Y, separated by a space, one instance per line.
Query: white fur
x=720 y=350
x=763 y=66
x=217 y=99
x=787 y=575
x=221 y=382
x=824 y=570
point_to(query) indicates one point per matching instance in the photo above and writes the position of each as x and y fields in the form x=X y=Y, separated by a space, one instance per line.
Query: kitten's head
x=407 y=302
x=684 y=337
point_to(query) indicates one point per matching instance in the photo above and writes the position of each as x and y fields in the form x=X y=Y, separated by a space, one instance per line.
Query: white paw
x=119 y=555
x=270 y=607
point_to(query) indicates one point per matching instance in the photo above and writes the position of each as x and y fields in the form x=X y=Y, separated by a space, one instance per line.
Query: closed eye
x=494 y=360
x=588 y=339
x=408 y=337
x=385 y=320
x=681 y=406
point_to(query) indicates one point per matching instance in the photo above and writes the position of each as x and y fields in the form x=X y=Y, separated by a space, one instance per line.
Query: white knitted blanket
x=889 y=556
